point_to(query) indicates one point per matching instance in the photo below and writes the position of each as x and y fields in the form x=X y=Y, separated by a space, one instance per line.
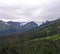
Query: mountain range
x=8 y=28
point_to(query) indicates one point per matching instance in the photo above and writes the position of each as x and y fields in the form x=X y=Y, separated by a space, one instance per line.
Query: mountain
x=22 y=28
x=8 y=28
x=31 y=29
x=47 y=29
x=44 y=39
x=28 y=26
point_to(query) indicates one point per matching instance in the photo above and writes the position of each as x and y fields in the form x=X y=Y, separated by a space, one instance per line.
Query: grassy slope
x=46 y=45
x=54 y=37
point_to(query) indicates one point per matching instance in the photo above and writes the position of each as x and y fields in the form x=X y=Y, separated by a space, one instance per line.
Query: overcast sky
x=29 y=10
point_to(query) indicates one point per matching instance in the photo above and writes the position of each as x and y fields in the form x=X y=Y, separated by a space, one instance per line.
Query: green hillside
x=54 y=37
x=46 y=45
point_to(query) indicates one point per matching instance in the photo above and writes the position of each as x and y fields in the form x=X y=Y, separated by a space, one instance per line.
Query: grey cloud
x=49 y=11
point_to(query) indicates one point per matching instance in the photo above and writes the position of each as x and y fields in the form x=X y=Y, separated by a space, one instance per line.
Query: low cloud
x=26 y=11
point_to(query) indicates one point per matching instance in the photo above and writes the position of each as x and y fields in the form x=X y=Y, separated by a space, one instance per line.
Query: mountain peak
x=32 y=23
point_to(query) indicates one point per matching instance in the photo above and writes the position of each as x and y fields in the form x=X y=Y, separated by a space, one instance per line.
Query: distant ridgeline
x=30 y=29
x=8 y=28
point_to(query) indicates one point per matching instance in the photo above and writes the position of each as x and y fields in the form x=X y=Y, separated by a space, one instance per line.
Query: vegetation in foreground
x=44 y=45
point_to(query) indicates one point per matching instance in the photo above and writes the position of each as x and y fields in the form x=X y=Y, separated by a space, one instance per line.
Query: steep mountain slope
x=46 y=29
x=10 y=27
x=29 y=26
